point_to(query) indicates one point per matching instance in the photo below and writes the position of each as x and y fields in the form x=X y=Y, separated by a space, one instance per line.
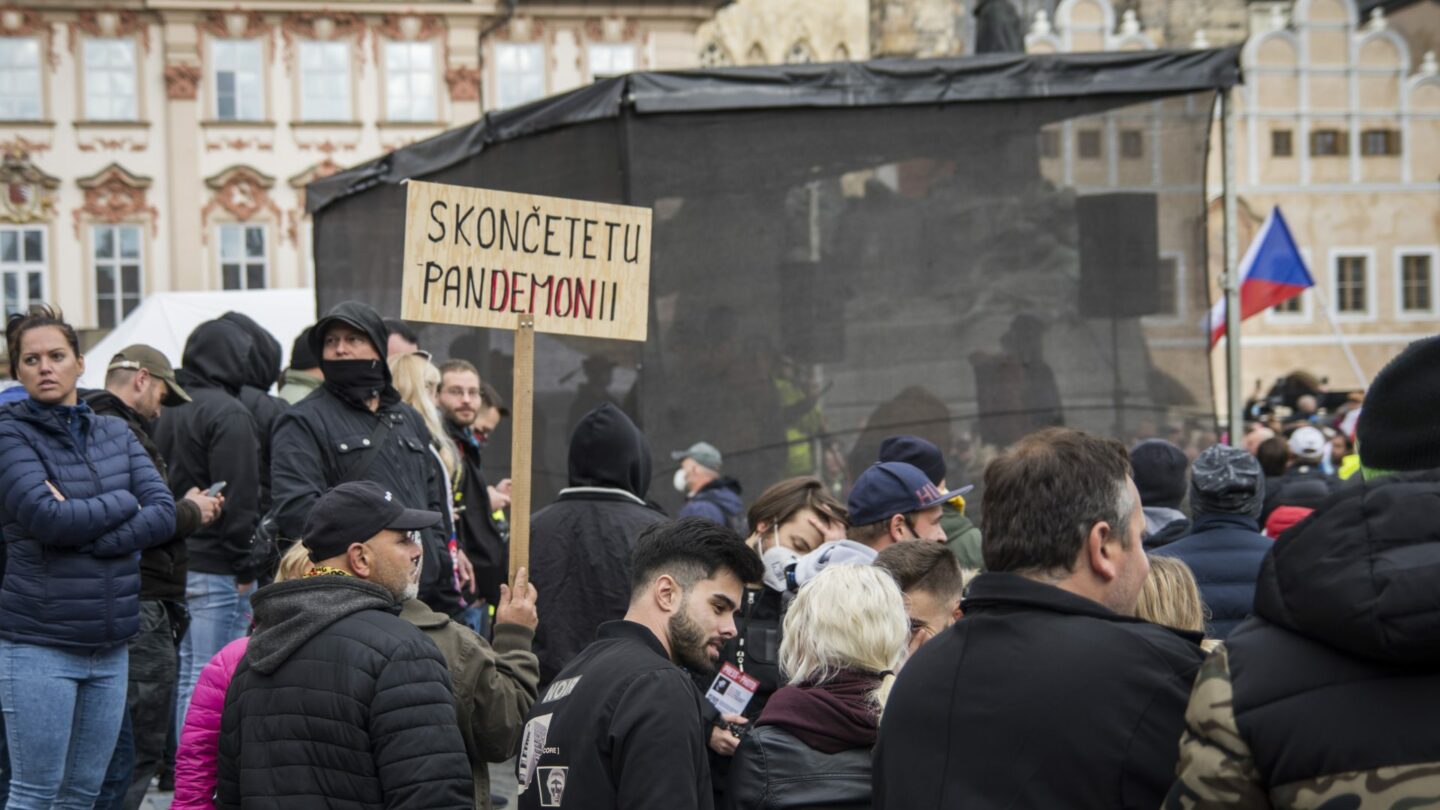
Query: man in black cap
x=337 y=696
x=892 y=502
x=355 y=428
x=962 y=536
x=303 y=375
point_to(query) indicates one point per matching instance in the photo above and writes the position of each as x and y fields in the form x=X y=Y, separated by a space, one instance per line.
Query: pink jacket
x=196 y=760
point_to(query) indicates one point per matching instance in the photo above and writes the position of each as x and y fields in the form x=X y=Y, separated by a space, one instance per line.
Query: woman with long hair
x=79 y=499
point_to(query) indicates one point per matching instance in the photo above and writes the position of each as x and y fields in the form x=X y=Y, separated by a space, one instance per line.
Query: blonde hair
x=848 y=617
x=294 y=564
x=414 y=376
x=1170 y=596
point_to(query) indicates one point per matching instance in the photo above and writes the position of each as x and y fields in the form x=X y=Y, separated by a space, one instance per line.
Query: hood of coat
x=104 y=403
x=217 y=355
x=358 y=316
x=264 y=366
x=1360 y=573
x=724 y=490
x=288 y=614
x=607 y=450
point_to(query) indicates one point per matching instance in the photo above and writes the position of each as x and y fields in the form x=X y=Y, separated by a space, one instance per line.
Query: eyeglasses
x=472 y=393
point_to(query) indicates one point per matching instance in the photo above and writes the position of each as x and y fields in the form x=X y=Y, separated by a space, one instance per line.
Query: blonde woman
x=1170 y=597
x=844 y=636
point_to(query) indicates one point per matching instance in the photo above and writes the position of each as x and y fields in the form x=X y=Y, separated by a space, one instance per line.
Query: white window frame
x=504 y=100
x=607 y=51
x=311 y=96
x=12 y=102
x=22 y=267
x=243 y=260
x=1400 y=254
x=1368 y=254
x=116 y=262
x=224 y=57
x=1307 y=309
x=100 y=78
x=413 y=79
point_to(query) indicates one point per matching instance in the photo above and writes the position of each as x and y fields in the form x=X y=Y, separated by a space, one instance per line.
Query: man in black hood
x=209 y=441
x=580 y=556
x=262 y=370
x=355 y=428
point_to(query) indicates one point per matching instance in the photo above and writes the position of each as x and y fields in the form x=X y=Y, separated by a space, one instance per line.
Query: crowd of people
x=302 y=599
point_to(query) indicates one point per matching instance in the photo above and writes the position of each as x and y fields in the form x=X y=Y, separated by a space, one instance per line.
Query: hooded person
x=580 y=556
x=355 y=428
x=1225 y=547
x=1323 y=698
x=303 y=375
x=1160 y=477
x=263 y=371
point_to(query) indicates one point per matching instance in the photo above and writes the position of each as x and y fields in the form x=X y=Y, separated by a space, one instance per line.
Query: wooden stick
x=522 y=406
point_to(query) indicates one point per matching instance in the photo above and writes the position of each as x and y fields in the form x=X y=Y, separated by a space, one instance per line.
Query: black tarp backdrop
x=964 y=249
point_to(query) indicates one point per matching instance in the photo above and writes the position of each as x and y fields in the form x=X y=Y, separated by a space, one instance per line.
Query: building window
x=519 y=73
x=610 y=60
x=1329 y=143
x=117 y=272
x=324 y=81
x=19 y=79
x=410 y=81
x=1089 y=143
x=238 y=89
x=1132 y=143
x=1375 y=142
x=22 y=267
x=1281 y=143
x=1351 y=293
x=1167 y=287
x=243 y=264
x=110 y=80
x=1291 y=306
x=1417 y=284
x=1050 y=143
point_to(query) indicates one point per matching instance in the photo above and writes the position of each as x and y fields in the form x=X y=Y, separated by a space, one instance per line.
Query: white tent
x=165 y=320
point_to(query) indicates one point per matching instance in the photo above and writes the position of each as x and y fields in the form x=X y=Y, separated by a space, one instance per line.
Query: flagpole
x=1229 y=281
x=1340 y=337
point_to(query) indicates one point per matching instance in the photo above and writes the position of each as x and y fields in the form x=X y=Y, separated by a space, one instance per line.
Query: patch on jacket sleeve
x=552 y=785
x=532 y=747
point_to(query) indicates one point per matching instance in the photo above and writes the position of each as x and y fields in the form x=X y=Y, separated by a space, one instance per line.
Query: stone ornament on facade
x=233 y=25
x=242 y=192
x=611 y=29
x=464 y=82
x=182 y=81
x=29 y=194
x=766 y=31
x=522 y=29
x=239 y=144
x=24 y=22
x=121 y=144
x=115 y=195
x=409 y=28
x=109 y=23
x=321 y=27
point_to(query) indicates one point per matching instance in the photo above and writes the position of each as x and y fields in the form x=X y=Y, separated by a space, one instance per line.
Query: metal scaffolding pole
x=1230 y=282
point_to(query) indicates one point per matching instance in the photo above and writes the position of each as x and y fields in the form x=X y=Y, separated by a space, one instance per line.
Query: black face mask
x=356 y=381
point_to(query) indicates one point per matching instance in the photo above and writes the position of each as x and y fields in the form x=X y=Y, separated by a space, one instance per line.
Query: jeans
x=122 y=766
x=218 y=615
x=148 y=703
x=63 y=712
x=4 y=762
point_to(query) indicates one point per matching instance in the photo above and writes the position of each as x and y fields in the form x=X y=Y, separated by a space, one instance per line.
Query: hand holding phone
x=215 y=488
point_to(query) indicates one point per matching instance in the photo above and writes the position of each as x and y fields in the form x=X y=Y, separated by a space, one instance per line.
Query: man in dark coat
x=208 y=441
x=709 y=494
x=1325 y=698
x=355 y=428
x=261 y=374
x=138 y=383
x=580 y=557
x=1049 y=692
x=1225 y=547
x=339 y=701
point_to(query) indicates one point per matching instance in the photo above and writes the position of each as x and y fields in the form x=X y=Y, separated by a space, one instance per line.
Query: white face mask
x=680 y=486
x=776 y=559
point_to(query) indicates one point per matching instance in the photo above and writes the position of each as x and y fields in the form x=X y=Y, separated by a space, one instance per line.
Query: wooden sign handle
x=523 y=420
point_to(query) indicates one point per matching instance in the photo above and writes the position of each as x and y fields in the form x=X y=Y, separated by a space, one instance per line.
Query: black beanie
x=1160 y=469
x=1398 y=430
x=302 y=357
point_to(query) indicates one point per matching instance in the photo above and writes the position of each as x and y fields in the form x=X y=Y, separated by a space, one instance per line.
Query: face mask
x=355 y=380
x=776 y=559
x=680 y=486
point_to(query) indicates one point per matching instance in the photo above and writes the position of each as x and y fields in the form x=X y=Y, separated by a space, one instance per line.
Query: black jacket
x=480 y=537
x=320 y=441
x=772 y=770
x=262 y=370
x=1224 y=553
x=618 y=729
x=580 y=553
x=338 y=701
x=214 y=439
x=162 y=567
x=1038 y=698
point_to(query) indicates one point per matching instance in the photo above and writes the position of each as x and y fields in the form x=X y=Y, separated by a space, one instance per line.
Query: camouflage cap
x=140 y=356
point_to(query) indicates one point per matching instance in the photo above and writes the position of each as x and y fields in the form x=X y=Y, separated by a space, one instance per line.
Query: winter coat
x=480 y=536
x=718 y=502
x=318 y=442
x=197 y=758
x=262 y=370
x=72 y=570
x=581 y=544
x=1224 y=552
x=214 y=439
x=337 y=696
x=1164 y=526
x=618 y=729
x=162 y=567
x=1037 y=698
x=295 y=386
x=1326 y=697
x=494 y=686
x=1285 y=517
x=962 y=537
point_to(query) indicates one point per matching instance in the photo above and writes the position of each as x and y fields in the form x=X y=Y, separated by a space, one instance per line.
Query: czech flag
x=1272 y=272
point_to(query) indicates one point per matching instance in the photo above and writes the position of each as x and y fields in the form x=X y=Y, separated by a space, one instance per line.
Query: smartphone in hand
x=215 y=489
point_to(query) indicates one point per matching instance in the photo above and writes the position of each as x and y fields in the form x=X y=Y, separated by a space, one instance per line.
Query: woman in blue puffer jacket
x=79 y=501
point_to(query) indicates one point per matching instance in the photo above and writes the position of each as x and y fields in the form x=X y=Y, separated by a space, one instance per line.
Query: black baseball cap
x=892 y=488
x=355 y=512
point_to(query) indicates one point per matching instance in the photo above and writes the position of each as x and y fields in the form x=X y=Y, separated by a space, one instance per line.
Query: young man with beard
x=620 y=726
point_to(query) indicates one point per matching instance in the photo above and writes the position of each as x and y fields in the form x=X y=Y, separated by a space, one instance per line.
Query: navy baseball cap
x=354 y=512
x=892 y=488
x=917 y=451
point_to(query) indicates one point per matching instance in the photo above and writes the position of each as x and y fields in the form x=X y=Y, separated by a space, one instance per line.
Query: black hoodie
x=581 y=544
x=262 y=371
x=213 y=439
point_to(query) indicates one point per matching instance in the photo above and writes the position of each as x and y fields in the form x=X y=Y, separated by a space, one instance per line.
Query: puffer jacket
x=197 y=758
x=1325 y=698
x=1224 y=553
x=262 y=371
x=72 y=569
x=718 y=502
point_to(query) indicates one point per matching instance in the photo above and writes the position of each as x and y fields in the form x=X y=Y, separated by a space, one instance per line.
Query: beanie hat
x=1227 y=481
x=302 y=357
x=1398 y=430
x=1159 y=468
